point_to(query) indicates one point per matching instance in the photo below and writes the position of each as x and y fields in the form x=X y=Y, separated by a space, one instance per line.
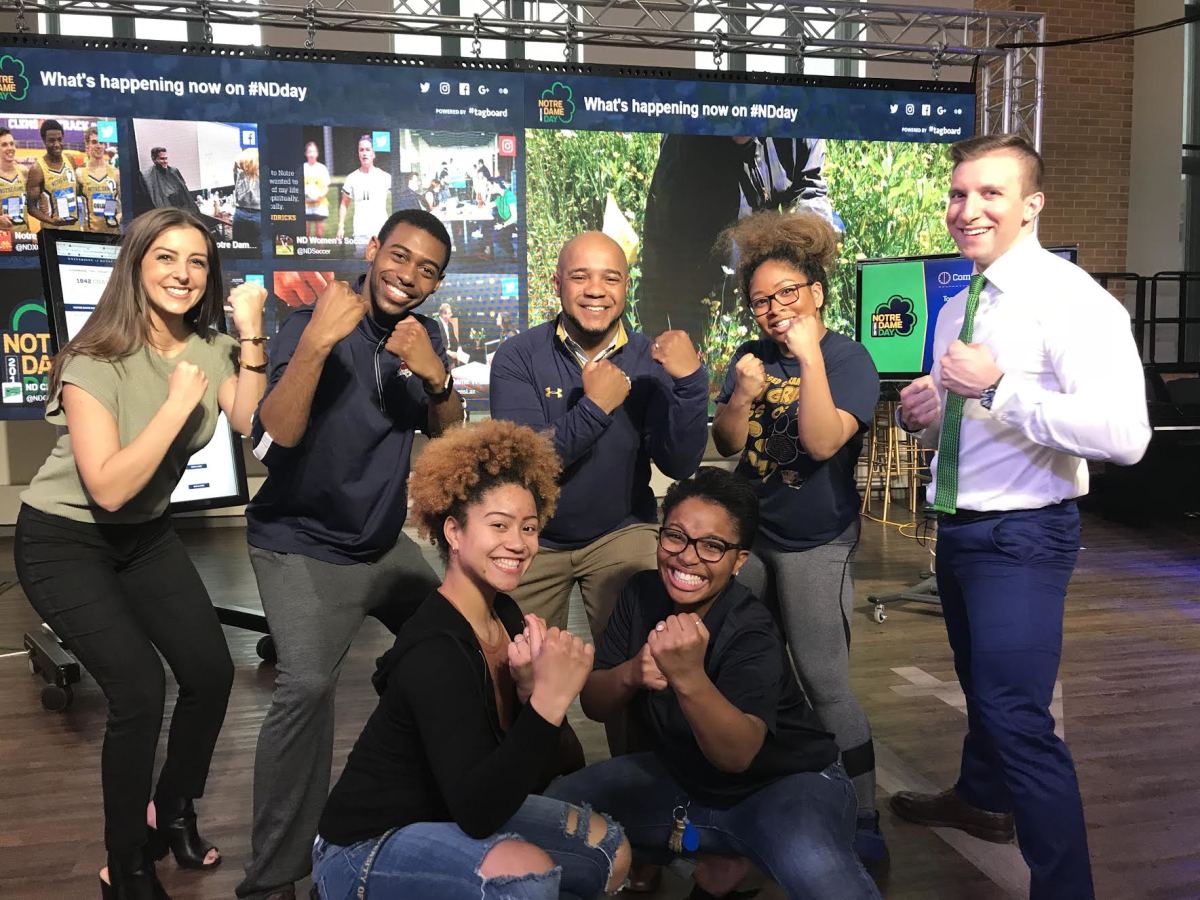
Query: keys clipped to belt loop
x=684 y=835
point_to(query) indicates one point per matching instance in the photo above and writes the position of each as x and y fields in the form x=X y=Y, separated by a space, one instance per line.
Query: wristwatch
x=440 y=395
x=988 y=395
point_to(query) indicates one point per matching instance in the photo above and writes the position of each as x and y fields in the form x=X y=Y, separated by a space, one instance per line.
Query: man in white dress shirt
x=1036 y=372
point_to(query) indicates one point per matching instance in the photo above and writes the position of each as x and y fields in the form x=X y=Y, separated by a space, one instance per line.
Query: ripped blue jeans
x=437 y=861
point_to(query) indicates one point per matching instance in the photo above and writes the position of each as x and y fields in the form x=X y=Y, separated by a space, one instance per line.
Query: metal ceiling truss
x=1010 y=80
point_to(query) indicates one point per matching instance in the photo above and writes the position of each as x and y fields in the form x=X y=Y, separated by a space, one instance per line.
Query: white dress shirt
x=1073 y=387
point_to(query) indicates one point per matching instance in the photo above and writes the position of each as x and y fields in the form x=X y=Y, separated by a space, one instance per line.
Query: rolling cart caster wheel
x=266 y=649
x=880 y=616
x=55 y=698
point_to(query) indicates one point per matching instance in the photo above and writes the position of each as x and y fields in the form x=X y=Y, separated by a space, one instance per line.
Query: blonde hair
x=1033 y=170
x=247 y=161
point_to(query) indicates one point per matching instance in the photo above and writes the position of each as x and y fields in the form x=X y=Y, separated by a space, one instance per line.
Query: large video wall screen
x=293 y=165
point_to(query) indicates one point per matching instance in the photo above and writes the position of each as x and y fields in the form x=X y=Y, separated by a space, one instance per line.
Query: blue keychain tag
x=691 y=837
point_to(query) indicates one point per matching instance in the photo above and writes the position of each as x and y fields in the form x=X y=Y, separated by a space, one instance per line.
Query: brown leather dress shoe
x=948 y=810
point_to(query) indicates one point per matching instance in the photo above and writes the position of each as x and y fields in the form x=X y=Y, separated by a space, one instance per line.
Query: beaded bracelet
x=261 y=339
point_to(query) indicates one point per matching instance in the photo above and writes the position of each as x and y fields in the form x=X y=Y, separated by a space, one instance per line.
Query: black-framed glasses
x=785 y=296
x=708 y=549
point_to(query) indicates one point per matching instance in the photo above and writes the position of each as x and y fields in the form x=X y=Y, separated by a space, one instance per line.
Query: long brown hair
x=120 y=324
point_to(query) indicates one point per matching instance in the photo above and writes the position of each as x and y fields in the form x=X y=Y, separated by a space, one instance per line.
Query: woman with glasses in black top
x=740 y=769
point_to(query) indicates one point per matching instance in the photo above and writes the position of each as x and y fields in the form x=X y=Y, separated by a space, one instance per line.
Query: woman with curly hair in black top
x=435 y=799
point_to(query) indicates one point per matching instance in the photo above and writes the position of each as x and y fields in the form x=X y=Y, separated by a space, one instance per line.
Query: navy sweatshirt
x=537 y=381
x=340 y=495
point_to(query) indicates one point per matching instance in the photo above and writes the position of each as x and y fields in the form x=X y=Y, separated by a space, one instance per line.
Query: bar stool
x=895 y=461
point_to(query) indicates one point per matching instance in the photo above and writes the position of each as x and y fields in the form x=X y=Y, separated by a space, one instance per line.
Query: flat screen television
x=897 y=303
x=75 y=269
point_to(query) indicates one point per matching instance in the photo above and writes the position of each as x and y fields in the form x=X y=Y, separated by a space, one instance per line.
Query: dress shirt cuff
x=1005 y=403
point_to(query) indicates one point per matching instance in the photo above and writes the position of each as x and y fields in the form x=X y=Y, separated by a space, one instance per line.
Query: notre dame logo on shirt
x=773 y=439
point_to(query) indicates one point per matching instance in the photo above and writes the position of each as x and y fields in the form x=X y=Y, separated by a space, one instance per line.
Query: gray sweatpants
x=814 y=593
x=314 y=610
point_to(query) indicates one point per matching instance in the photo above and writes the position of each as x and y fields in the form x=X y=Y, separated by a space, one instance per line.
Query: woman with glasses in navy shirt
x=795 y=405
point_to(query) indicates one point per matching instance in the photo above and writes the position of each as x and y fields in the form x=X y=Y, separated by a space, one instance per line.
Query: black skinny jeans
x=117 y=595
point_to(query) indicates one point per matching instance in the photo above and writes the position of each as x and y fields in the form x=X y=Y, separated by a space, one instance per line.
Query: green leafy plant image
x=569 y=176
x=729 y=326
x=892 y=199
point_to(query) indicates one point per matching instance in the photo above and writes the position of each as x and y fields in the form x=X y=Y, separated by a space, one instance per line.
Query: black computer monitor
x=75 y=269
x=897 y=303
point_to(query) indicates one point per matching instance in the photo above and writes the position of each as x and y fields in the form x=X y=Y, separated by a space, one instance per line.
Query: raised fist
x=605 y=385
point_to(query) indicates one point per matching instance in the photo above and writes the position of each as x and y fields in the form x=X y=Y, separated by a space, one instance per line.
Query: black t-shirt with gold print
x=803 y=502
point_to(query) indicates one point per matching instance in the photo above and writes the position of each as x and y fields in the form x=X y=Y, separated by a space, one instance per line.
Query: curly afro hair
x=802 y=239
x=462 y=465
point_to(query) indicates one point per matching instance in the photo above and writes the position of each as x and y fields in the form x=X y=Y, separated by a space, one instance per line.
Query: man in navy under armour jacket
x=616 y=401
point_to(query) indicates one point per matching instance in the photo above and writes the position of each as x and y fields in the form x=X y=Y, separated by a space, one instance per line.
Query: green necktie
x=946 y=497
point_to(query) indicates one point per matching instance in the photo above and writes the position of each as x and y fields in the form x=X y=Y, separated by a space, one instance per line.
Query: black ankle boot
x=131 y=877
x=177 y=832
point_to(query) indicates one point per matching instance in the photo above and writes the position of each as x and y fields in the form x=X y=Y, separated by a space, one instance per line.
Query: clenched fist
x=673 y=351
x=559 y=673
x=605 y=385
x=522 y=651
x=751 y=378
x=803 y=337
x=919 y=403
x=677 y=645
x=338 y=312
x=410 y=341
x=245 y=303
x=644 y=673
x=186 y=386
x=968 y=368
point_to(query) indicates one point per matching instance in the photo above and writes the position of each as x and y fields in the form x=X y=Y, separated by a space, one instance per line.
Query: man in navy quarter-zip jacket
x=616 y=401
x=350 y=381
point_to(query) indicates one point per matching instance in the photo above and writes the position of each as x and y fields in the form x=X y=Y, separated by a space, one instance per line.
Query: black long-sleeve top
x=433 y=749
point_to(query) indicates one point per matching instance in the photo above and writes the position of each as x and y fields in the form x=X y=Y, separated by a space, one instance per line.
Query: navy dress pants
x=1002 y=580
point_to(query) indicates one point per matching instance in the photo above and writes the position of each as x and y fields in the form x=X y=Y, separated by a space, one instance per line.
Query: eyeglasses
x=708 y=549
x=785 y=296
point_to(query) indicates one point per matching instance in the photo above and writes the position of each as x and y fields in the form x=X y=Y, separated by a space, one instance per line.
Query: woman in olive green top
x=139 y=390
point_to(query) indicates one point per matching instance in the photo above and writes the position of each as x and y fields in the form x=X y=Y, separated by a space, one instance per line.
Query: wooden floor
x=1130 y=696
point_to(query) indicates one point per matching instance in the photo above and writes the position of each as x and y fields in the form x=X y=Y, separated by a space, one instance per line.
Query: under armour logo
x=554 y=392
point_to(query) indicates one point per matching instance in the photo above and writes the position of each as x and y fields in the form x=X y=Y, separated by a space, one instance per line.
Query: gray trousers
x=814 y=594
x=314 y=610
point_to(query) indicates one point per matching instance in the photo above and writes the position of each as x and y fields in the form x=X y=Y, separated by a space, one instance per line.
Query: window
x=148 y=28
x=81 y=25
